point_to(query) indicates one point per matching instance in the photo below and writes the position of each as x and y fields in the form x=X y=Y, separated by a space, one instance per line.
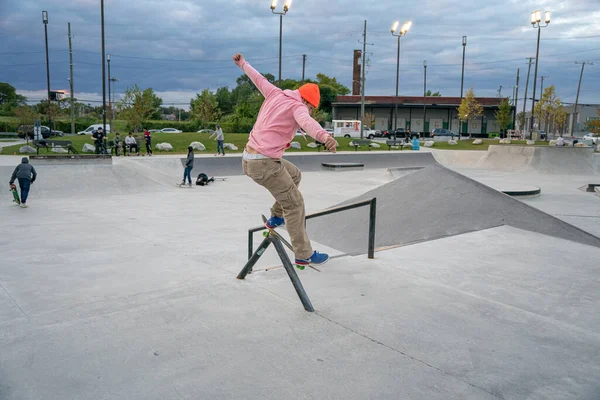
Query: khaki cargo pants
x=281 y=178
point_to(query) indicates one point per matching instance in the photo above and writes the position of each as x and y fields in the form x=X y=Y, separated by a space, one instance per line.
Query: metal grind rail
x=253 y=256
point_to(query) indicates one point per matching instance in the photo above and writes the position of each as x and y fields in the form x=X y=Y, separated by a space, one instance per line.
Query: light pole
x=45 y=20
x=103 y=69
x=286 y=8
x=403 y=31
x=536 y=18
x=112 y=111
x=462 y=78
x=424 y=94
x=109 y=101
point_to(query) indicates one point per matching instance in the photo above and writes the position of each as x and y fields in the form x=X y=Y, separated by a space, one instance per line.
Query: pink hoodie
x=280 y=116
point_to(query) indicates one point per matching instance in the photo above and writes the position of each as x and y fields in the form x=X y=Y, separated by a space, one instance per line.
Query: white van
x=346 y=128
x=93 y=128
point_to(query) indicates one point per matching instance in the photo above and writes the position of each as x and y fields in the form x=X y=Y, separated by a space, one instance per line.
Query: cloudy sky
x=180 y=47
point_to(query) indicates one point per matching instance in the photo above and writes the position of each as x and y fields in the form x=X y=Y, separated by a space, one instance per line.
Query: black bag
x=202 y=179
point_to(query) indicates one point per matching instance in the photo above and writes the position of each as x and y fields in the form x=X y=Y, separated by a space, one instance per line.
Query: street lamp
x=403 y=31
x=112 y=111
x=424 y=94
x=45 y=21
x=536 y=19
x=286 y=8
x=109 y=102
x=462 y=79
x=103 y=69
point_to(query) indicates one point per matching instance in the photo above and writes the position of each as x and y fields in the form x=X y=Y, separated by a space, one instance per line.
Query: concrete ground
x=114 y=293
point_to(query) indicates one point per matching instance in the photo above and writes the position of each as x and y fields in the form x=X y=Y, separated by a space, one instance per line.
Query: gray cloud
x=181 y=47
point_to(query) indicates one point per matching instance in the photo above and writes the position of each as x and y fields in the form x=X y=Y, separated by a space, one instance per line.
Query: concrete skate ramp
x=232 y=165
x=541 y=159
x=432 y=203
x=92 y=180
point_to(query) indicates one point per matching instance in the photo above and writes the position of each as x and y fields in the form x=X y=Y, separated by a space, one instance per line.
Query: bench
x=391 y=143
x=361 y=142
x=49 y=144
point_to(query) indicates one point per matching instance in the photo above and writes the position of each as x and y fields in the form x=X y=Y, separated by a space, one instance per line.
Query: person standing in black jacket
x=189 y=165
x=26 y=175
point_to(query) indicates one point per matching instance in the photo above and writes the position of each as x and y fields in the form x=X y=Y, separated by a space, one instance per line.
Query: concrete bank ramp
x=432 y=203
x=89 y=180
x=541 y=159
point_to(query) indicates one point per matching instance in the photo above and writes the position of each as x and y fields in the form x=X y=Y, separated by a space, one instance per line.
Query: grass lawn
x=180 y=142
x=467 y=144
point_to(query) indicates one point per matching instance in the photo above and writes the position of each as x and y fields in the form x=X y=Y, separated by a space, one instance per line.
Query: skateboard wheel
x=300 y=267
x=266 y=233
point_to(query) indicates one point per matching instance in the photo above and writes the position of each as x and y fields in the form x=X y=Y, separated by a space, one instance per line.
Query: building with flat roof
x=438 y=112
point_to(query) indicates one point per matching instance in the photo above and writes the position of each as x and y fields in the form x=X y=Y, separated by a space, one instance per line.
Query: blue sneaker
x=316 y=259
x=274 y=222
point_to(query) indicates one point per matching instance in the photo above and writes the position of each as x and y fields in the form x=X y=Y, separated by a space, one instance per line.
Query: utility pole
x=516 y=101
x=103 y=70
x=424 y=95
x=542 y=87
x=577 y=97
x=71 y=84
x=362 y=86
x=303 y=66
x=527 y=87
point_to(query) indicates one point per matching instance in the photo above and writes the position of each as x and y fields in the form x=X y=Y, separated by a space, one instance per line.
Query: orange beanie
x=310 y=92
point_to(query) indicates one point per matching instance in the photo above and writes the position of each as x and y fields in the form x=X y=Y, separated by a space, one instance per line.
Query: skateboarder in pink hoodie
x=282 y=113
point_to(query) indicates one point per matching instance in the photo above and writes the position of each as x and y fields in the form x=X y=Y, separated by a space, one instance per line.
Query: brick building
x=440 y=112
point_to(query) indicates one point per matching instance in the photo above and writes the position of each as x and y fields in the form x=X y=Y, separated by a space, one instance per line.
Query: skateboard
x=270 y=231
x=15 y=194
x=183 y=186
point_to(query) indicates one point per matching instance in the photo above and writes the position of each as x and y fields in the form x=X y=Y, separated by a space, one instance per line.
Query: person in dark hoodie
x=189 y=165
x=26 y=175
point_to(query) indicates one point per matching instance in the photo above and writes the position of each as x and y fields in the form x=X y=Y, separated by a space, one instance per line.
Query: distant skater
x=220 y=138
x=282 y=113
x=148 y=139
x=26 y=175
x=189 y=166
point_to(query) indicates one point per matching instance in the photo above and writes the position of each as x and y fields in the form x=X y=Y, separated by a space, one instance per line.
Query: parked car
x=397 y=133
x=154 y=130
x=27 y=130
x=330 y=131
x=592 y=137
x=441 y=134
x=211 y=131
x=170 y=130
x=90 y=129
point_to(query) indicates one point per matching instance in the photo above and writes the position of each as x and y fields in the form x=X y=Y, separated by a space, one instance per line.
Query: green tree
x=340 y=90
x=27 y=115
x=469 y=108
x=369 y=120
x=504 y=115
x=9 y=99
x=548 y=109
x=138 y=105
x=429 y=94
x=205 y=107
x=521 y=117
x=225 y=100
x=593 y=125
x=328 y=96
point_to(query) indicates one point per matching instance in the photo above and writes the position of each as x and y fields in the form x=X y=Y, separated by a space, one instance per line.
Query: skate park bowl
x=540 y=159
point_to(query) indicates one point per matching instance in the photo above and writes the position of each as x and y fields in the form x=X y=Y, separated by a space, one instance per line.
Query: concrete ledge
x=71 y=159
x=343 y=166
x=521 y=190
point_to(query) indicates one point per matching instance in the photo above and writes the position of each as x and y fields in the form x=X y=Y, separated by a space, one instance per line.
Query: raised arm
x=263 y=85
x=312 y=127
